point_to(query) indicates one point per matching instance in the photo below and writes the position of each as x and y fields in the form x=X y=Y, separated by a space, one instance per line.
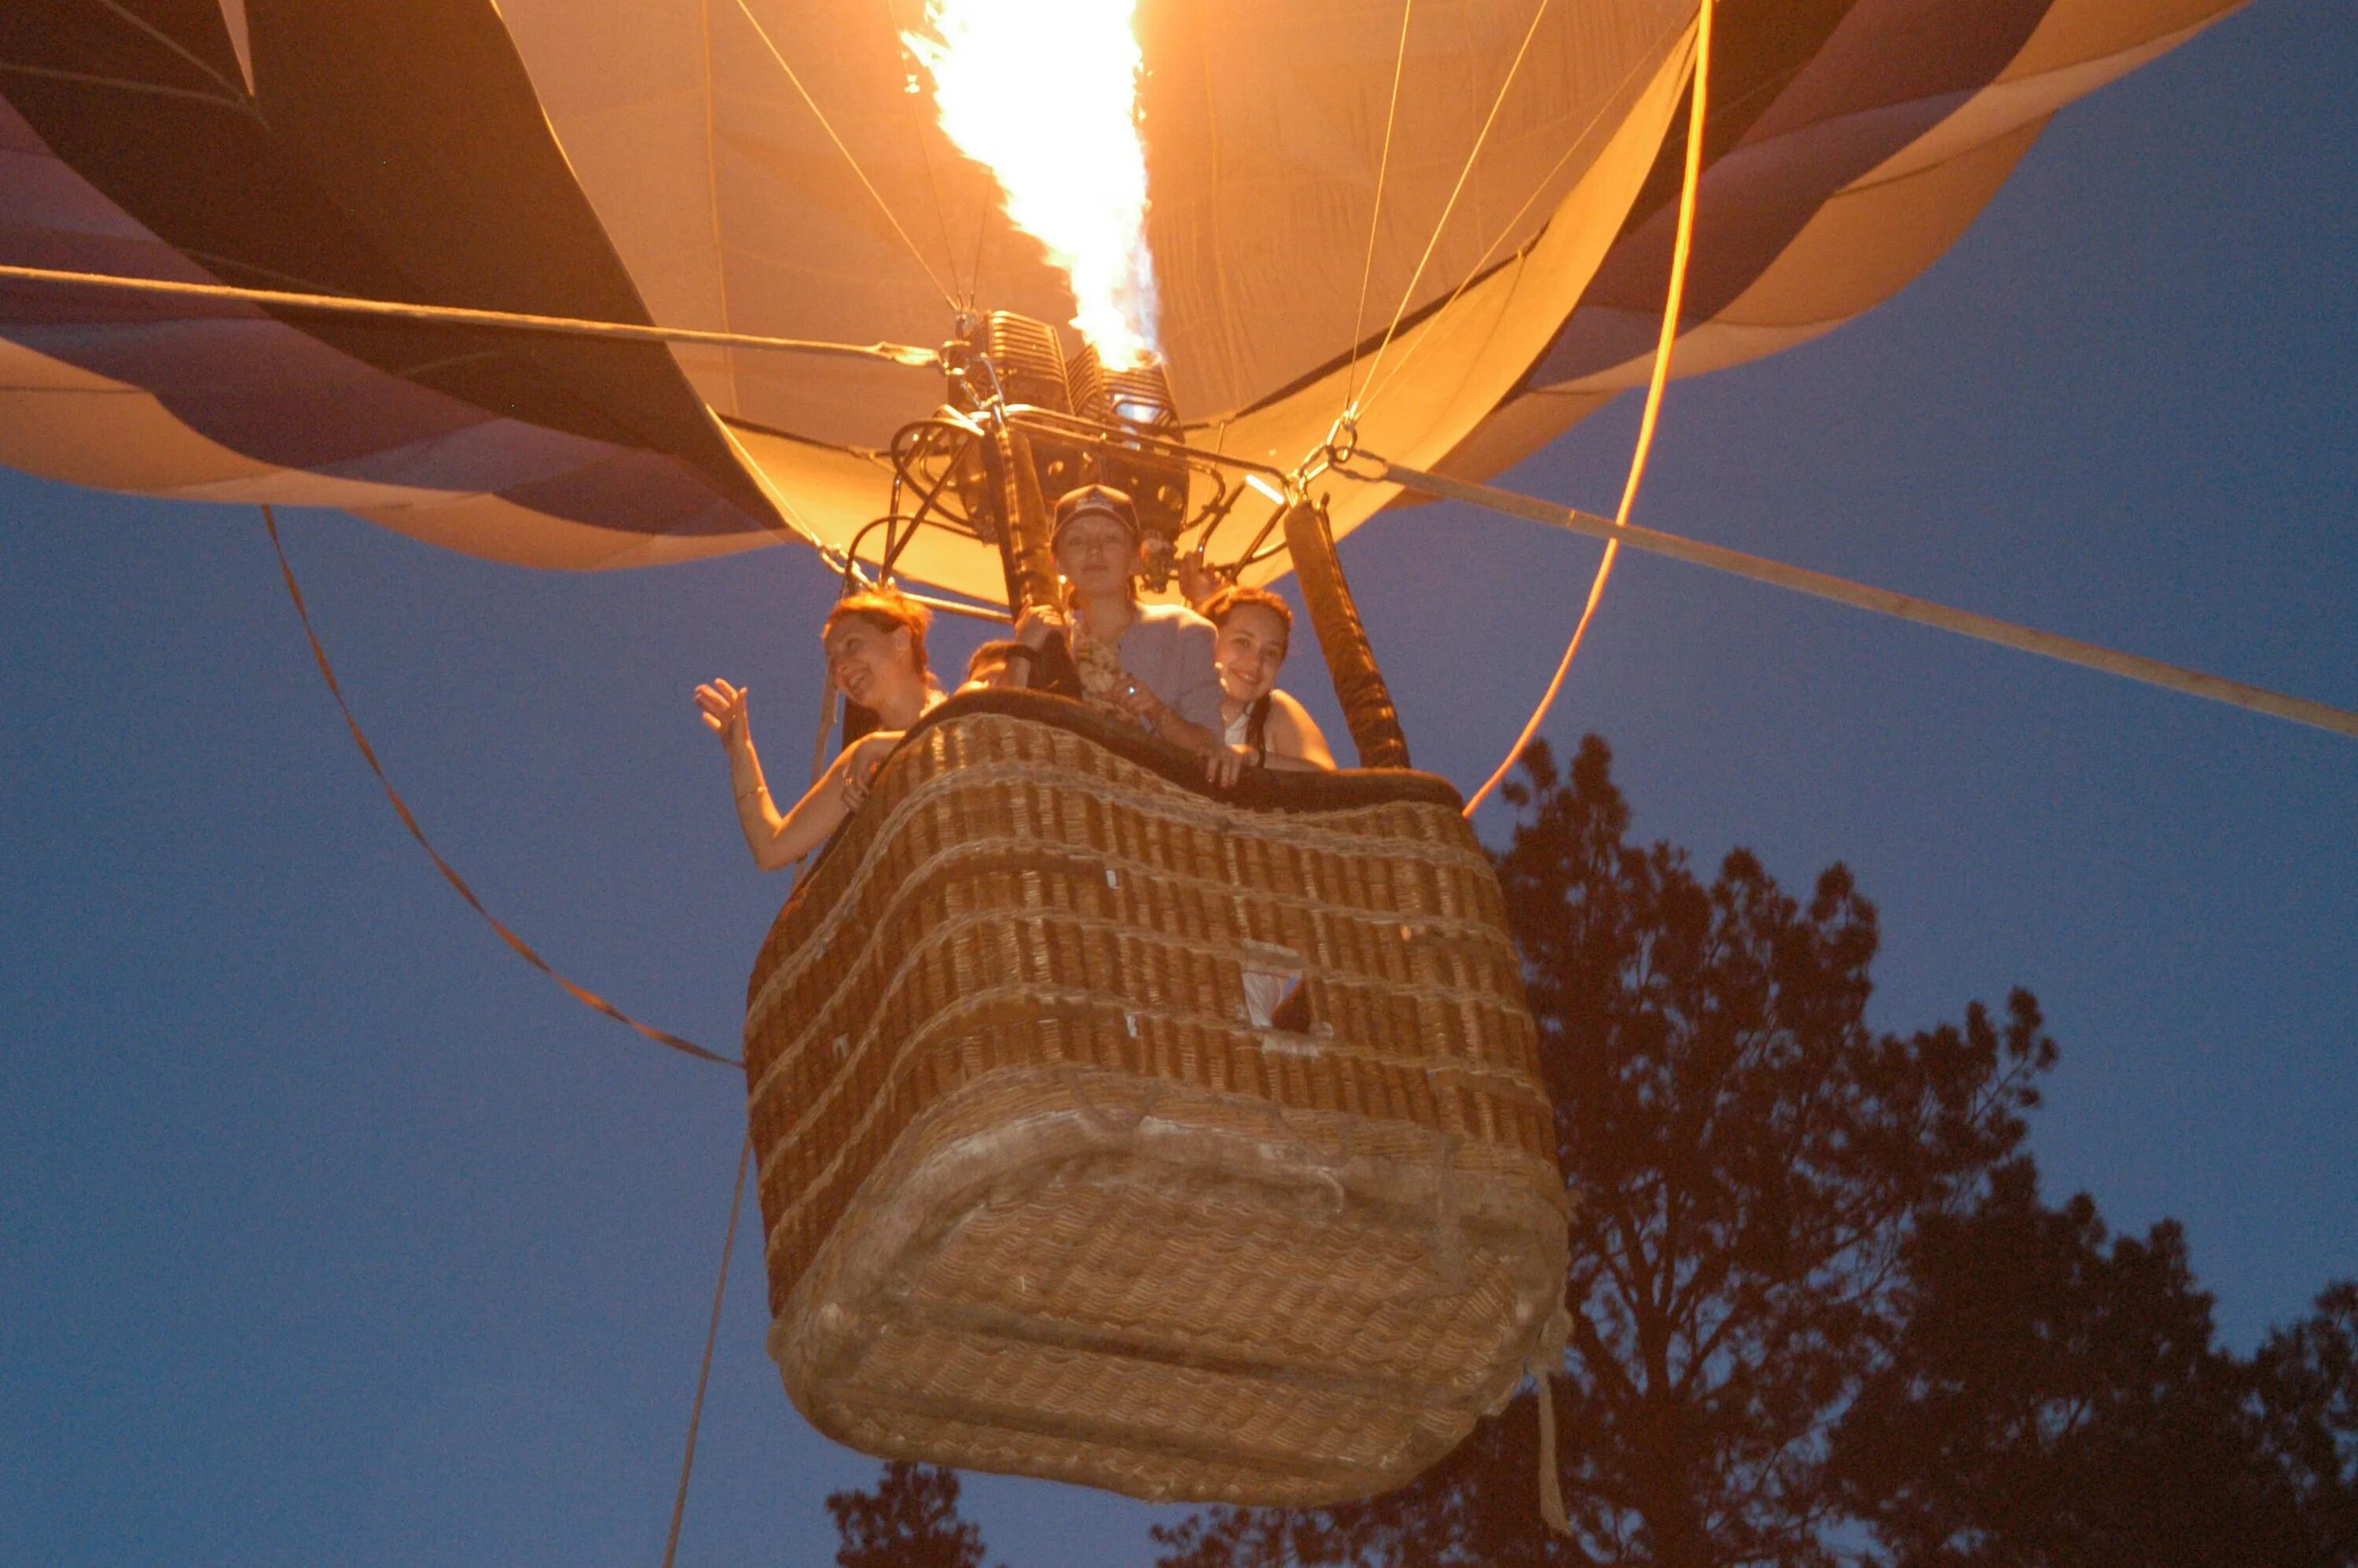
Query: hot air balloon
x=1043 y=1191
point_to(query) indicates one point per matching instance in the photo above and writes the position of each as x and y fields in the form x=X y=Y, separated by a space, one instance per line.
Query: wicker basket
x=1044 y=1189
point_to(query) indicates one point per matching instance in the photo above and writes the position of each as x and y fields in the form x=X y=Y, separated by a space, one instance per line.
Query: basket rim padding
x=1259 y=789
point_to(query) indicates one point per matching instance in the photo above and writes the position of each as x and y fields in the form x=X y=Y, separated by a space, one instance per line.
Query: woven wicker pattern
x=1039 y=1194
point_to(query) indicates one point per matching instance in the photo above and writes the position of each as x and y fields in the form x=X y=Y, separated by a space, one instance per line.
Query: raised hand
x=1037 y=625
x=1197 y=580
x=722 y=707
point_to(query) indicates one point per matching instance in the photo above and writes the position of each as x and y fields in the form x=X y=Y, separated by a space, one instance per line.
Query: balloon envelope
x=774 y=167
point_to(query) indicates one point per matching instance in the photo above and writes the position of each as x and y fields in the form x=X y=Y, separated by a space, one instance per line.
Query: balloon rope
x=240 y=104
x=237 y=98
x=466 y=316
x=858 y=173
x=1688 y=186
x=1376 y=216
x=368 y=754
x=1480 y=269
x=1466 y=172
x=933 y=181
x=704 y=1373
x=712 y=207
x=1884 y=601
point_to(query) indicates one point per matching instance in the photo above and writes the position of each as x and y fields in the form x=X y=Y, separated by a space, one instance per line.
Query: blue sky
x=331 y=1230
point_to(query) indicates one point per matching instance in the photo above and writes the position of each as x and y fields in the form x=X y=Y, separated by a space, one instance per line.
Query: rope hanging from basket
x=736 y=1204
x=1547 y=1357
x=704 y=1372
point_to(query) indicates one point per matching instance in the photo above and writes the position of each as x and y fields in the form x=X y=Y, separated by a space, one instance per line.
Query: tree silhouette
x=2053 y=1399
x=2304 y=1397
x=909 y=1521
x=1749 y=1160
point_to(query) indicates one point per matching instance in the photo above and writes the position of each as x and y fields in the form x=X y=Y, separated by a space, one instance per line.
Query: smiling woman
x=876 y=658
x=1256 y=628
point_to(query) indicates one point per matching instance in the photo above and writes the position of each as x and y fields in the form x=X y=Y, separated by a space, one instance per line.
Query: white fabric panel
x=1911 y=209
x=69 y=424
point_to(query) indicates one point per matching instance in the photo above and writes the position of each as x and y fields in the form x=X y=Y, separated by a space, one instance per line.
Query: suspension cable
x=1398 y=367
x=156 y=35
x=712 y=206
x=450 y=873
x=925 y=152
x=1690 y=183
x=467 y=315
x=238 y=105
x=1884 y=601
x=1376 y=216
x=1464 y=173
x=861 y=174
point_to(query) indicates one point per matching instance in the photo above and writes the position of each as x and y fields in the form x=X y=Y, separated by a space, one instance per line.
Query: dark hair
x=887 y=610
x=1235 y=597
x=990 y=653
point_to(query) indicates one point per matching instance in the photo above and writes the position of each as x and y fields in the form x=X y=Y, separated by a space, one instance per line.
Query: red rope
x=368 y=754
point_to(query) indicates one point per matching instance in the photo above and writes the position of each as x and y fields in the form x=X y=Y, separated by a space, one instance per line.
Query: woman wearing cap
x=876 y=656
x=1152 y=662
x=1261 y=724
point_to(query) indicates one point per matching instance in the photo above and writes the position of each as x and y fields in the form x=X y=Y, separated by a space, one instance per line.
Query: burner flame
x=1045 y=95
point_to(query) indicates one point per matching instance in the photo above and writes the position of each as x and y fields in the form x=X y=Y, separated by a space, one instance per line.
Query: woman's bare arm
x=823 y=808
x=1296 y=744
x=780 y=838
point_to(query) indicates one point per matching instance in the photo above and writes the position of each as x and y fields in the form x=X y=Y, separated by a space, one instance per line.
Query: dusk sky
x=332 y=1232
